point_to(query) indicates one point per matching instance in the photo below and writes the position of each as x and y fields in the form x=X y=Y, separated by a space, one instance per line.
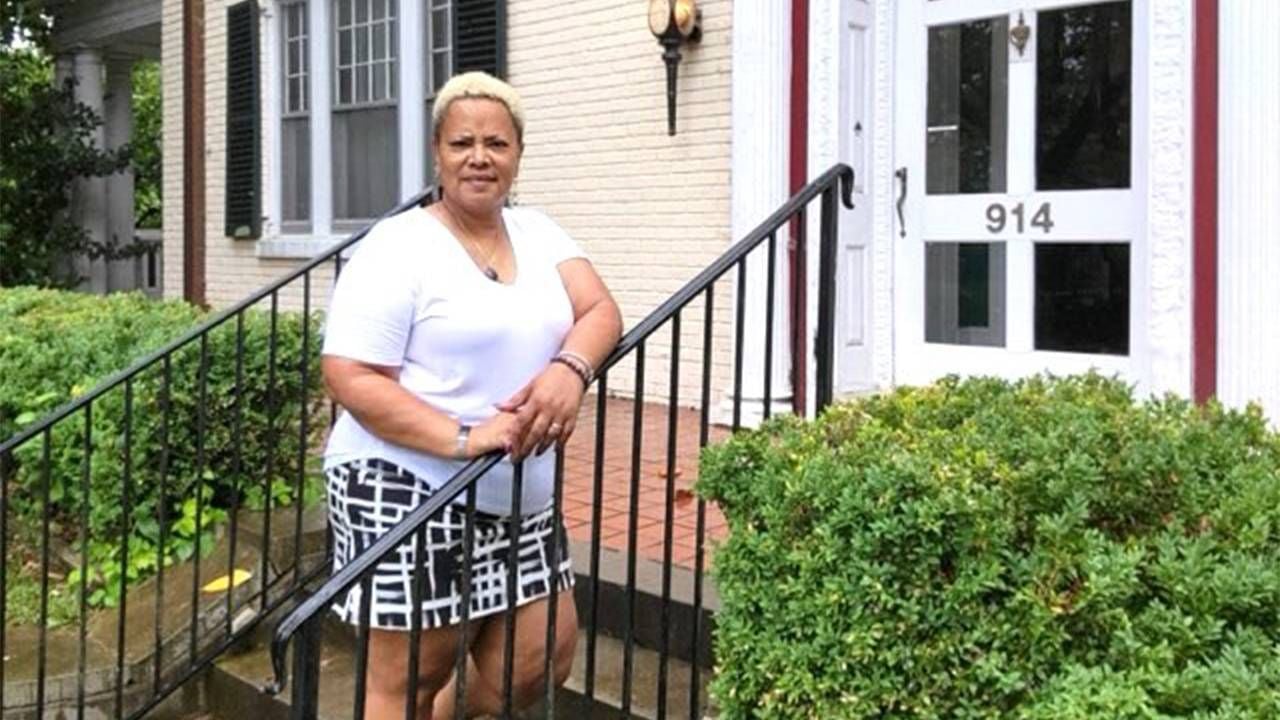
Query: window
x=365 y=128
x=440 y=56
x=295 y=124
x=439 y=66
x=354 y=82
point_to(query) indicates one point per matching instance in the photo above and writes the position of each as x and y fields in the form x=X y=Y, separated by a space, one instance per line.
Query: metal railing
x=303 y=626
x=124 y=482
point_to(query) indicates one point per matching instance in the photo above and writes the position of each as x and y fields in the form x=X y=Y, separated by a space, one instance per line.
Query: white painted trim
x=272 y=111
x=1167 y=169
x=412 y=96
x=1248 y=214
x=320 y=30
x=760 y=136
x=294 y=247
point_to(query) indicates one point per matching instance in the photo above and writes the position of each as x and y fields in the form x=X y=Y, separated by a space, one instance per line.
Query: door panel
x=854 y=355
x=1015 y=136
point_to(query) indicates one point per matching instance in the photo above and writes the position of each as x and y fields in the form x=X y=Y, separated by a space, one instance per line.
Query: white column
x=1248 y=214
x=759 y=179
x=118 y=128
x=89 y=195
x=412 y=103
x=319 y=29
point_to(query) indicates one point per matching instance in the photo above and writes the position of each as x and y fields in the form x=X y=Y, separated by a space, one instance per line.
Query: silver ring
x=555 y=428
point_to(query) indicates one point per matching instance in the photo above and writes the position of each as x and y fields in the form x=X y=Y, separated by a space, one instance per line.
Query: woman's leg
x=485 y=668
x=387 y=679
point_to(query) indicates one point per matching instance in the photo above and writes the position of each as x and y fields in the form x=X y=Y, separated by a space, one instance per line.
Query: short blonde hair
x=478 y=84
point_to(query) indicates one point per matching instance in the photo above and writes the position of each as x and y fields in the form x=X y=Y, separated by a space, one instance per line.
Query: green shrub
x=55 y=346
x=978 y=549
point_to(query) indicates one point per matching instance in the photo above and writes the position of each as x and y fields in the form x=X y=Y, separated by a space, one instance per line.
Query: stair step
x=235 y=685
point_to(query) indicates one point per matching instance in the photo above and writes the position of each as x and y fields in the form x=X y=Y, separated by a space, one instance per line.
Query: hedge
x=1049 y=548
x=55 y=346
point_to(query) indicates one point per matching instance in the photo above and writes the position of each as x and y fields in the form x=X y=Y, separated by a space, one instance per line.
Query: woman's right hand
x=500 y=432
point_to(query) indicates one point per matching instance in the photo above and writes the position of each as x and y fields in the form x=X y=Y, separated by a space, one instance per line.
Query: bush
x=45 y=146
x=55 y=346
x=978 y=549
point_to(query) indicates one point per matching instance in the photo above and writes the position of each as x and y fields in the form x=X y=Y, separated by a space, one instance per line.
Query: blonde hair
x=478 y=84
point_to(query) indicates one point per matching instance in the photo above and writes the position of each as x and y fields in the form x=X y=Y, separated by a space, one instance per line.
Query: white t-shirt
x=411 y=297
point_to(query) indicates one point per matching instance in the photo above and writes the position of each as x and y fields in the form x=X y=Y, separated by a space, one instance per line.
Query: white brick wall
x=651 y=210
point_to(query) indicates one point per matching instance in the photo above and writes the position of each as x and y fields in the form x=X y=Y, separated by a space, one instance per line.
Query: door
x=1018 y=224
x=854 y=371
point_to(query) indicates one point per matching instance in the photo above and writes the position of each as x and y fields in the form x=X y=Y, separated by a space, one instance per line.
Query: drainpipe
x=1205 y=201
x=193 y=196
x=796 y=251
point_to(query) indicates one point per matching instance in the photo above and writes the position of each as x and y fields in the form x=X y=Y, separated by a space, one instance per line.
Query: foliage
x=146 y=144
x=977 y=549
x=46 y=143
x=25 y=21
x=171 y=450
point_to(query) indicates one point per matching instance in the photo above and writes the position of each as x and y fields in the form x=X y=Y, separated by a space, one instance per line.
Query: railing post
x=825 y=343
x=306 y=671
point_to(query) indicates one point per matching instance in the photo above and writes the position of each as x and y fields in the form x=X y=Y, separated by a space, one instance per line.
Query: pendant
x=490 y=273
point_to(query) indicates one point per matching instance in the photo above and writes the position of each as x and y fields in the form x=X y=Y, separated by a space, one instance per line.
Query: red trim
x=1205 y=203
x=799 y=150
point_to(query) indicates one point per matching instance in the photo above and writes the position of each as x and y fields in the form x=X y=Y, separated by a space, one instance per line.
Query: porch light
x=673 y=22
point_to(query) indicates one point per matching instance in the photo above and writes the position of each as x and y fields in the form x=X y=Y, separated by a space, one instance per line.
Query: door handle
x=901 y=174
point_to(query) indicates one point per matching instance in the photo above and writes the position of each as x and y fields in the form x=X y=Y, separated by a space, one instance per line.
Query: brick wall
x=651 y=210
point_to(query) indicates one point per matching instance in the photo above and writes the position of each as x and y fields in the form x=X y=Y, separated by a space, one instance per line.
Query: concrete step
x=234 y=687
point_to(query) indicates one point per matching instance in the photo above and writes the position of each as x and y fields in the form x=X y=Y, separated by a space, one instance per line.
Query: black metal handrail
x=114 y=381
x=835 y=185
x=74 y=422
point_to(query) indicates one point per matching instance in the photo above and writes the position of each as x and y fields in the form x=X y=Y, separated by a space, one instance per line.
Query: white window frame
x=288 y=110
x=412 y=74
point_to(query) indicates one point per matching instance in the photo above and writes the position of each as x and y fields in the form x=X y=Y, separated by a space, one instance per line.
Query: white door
x=1018 y=193
x=853 y=310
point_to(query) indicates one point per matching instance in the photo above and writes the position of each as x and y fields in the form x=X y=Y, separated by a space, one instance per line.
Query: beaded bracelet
x=583 y=373
x=584 y=363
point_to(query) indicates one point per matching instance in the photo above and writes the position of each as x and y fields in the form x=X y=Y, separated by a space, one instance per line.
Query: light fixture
x=673 y=22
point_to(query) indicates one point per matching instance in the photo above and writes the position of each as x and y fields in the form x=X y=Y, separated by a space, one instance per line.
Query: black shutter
x=480 y=40
x=244 y=125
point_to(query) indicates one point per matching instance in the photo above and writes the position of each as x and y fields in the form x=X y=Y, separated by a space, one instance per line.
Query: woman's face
x=477 y=154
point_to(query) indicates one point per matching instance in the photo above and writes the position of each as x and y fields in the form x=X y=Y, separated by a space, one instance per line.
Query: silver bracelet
x=464 y=433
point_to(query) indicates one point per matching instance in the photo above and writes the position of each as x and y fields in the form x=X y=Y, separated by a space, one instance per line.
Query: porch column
x=89 y=194
x=760 y=166
x=118 y=128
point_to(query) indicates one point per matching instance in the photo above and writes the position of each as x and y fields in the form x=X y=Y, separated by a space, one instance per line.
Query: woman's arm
x=553 y=397
x=373 y=394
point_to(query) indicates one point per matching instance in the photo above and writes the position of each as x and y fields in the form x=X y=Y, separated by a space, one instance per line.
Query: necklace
x=487 y=266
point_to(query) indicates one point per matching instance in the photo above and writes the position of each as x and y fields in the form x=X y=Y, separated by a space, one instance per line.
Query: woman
x=457 y=329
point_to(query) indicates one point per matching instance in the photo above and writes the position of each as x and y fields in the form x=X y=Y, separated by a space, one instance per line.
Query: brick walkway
x=615 y=511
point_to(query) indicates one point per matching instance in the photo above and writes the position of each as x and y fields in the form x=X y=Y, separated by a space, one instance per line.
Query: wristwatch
x=464 y=433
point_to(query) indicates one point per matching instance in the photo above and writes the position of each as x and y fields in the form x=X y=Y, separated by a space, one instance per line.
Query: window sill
x=295 y=247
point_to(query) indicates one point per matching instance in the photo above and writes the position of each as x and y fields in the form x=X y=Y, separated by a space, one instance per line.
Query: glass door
x=1017 y=219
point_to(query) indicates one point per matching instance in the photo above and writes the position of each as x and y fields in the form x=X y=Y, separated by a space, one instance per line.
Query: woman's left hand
x=549 y=407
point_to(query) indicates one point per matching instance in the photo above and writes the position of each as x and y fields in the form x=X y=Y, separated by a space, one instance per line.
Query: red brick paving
x=615 y=508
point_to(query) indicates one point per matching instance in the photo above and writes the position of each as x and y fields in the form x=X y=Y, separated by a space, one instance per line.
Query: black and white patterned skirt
x=369 y=497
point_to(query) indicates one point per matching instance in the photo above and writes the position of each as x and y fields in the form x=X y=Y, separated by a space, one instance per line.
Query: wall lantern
x=673 y=22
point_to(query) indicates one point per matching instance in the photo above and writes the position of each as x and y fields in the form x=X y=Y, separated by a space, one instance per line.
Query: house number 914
x=998 y=217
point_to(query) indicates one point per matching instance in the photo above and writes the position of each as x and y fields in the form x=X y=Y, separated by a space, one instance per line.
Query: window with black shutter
x=244 y=134
x=481 y=36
